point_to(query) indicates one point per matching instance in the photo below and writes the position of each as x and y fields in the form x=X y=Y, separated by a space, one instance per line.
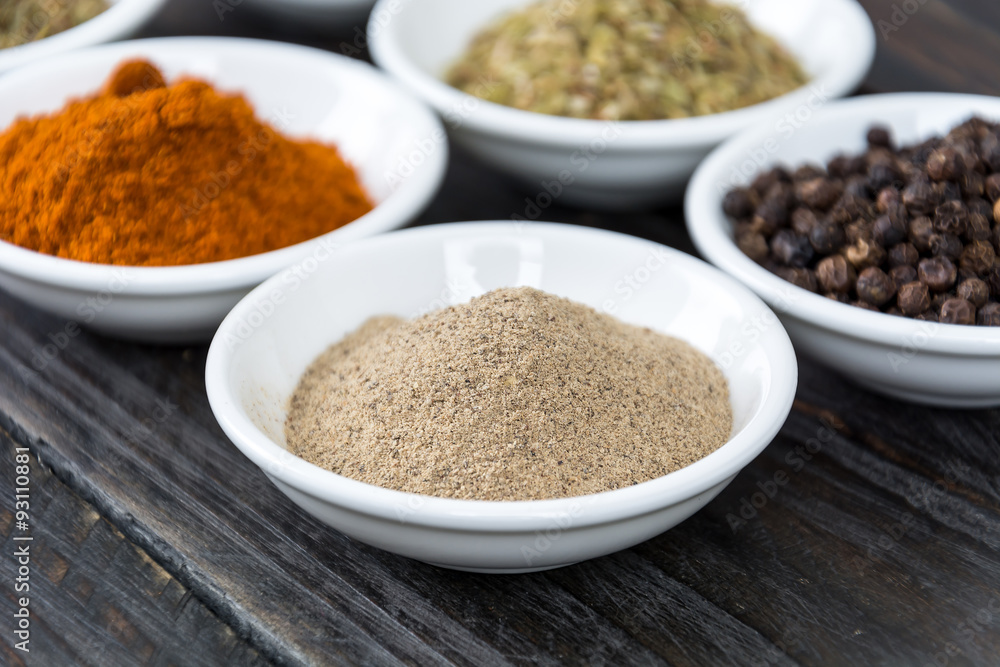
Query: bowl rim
x=506 y=516
x=117 y=21
x=710 y=231
x=846 y=72
x=412 y=195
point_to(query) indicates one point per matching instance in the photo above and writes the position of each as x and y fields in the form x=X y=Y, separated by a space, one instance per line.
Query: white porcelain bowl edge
x=924 y=362
x=264 y=345
x=617 y=165
x=397 y=145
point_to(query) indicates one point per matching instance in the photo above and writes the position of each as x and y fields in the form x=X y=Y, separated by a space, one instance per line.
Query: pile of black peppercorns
x=912 y=231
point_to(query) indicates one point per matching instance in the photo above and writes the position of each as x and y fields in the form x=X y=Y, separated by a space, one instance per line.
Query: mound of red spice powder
x=146 y=174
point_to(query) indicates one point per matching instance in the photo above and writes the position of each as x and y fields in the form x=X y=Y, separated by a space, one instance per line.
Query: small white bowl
x=326 y=13
x=924 y=362
x=618 y=165
x=396 y=144
x=120 y=20
x=265 y=344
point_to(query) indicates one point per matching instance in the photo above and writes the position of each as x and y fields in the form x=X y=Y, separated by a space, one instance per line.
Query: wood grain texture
x=867 y=533
x=94 y=597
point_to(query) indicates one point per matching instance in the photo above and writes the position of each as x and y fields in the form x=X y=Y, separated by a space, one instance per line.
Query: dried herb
x=24 y=21
x=625 y=60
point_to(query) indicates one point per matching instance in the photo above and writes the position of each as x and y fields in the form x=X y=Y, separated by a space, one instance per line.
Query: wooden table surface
x=156 y=542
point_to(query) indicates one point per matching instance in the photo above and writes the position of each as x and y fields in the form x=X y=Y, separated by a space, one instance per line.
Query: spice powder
x=516 y=395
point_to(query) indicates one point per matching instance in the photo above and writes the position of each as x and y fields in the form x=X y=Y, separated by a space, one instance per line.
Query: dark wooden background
x=156 y=542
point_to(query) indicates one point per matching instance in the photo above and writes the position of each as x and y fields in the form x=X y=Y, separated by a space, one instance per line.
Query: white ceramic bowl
x=617 y=165
x=119 y=21
x=326 y=13
x=936 y=364
x=397 y=145
x=265 y=344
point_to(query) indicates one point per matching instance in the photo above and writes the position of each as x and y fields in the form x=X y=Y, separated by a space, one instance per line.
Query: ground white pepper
x=516 y=395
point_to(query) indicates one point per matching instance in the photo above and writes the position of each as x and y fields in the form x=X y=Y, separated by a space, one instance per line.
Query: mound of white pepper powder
x=516 y=395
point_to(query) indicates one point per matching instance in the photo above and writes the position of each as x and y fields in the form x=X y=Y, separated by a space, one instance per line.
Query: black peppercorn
x=887 y=197
x=950 y=217
x=859 y=230
x=840 y=297
x=803 y=278
x=989 y=148
x=944 y=164
x=763 y=181
x=920 y=233
x=887 y=231
x=739 y=203
x=882 y=175
x=903 y=254
x=913 y=298
x=827 y=238
x=975 y=291
x=946 y=191
x=753 y=244
x=902 y=274
x=977 y=257
x=874 y=286
x=879 y=135
x=972 y=184
x=938 y=273
x=946 y=245
x=842 y=166
x=863 y=254
x=958 y=311
x=803 y=220
x=989 y=315
x=977 y=226
x=857 y=186
x=835 y=274
x=782 y=193
x=819 y=193
x=913 y=231
x=769 y=217
x=791 y=249
x=938 y=299
x=992 y=279
x=993 y=187
x=807 y=172
x=919 y=198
